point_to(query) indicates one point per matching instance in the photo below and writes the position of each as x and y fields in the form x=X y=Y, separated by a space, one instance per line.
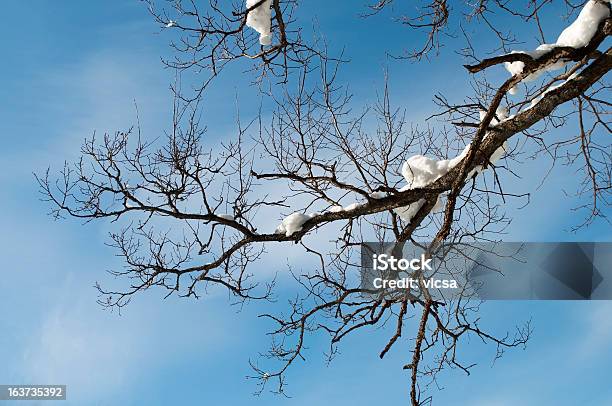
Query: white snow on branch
x=352 y=206
x=516 y=68
x=378 y=195
x=226 y=216
x=501 y=114
x=293 y=223
x=260 y=19
x=537 y=99
x=420 y=171
x=577 y=35
x=407 y=212
x=582 y=30
x=335 y=209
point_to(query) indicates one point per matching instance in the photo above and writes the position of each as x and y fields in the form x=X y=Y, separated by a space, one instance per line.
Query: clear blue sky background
x=73 y=67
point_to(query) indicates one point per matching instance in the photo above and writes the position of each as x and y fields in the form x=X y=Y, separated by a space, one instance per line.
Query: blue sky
x=74 y=67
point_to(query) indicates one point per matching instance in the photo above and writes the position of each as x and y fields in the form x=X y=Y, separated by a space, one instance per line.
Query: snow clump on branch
x=420 y=171
x=577 y=35
x=260 y=19
x=293 y=223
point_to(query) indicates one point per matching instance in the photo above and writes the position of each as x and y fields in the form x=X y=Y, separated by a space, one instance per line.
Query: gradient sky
x=72 y=67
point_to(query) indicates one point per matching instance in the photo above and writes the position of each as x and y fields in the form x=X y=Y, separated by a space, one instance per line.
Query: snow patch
x=260 y=19
x=378 y=195
x=577 y=35
x=420 y=171
x=439 y=205
x=293 y=223
x=537 y=99
x=407 y=212
x=352 y=206
x=335 y=209
x=582 y=30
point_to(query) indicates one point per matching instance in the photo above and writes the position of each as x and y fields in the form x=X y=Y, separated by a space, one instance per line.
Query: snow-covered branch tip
x=579 y=40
